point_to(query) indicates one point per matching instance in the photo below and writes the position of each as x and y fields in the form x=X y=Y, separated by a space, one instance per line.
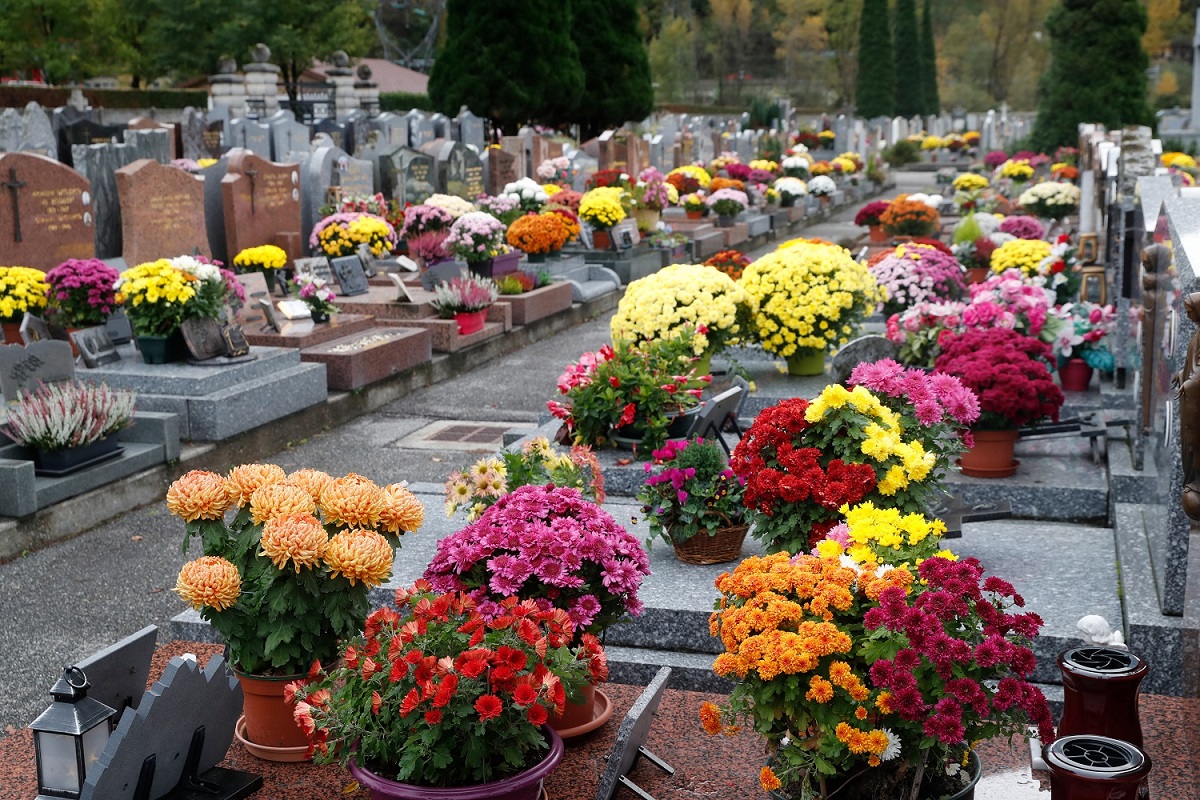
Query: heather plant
x=464 y=295
x=56 y=416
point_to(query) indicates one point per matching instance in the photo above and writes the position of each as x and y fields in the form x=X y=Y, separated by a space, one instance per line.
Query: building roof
x=390 y=77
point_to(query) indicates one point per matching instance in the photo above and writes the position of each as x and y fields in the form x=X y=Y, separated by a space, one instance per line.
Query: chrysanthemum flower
x=314 y=481
x=360 y=555
x=769 y=780
x=244 y=479
x=352 y=501
x=297 y=537
x=209 y=582
x=198 y=495
x=277 y=499
x=402 y=511
x=710 y=718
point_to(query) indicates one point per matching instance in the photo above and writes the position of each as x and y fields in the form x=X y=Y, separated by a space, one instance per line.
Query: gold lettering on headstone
x=275 y=188
x=55 y=209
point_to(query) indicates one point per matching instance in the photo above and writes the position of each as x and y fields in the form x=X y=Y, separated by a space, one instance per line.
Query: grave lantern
x=69 y=736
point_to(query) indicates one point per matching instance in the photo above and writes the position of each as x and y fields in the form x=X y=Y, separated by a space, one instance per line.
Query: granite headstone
x=252 y=135
x=459 y=170
x=24 y=366
x=162 y=212
x=46 y=212
x=262 y=204
x=36 y=134
x=407 y=176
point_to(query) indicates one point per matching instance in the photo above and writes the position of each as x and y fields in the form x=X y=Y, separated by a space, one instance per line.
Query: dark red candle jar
x=1100 y=692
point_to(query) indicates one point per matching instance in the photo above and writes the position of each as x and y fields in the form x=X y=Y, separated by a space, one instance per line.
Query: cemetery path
x=69 y=600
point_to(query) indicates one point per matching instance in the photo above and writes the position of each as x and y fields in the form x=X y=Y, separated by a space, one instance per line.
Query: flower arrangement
x=826 y=137
x=537 y=463
x=520 y=282
x=972 y=138
x=731 y=262
x=920 y=327
x=555 y=170
x=212 y=286
x=1017 y=170
x=843 y=166
x=1064 y=172
x=155 y=296
x=870 y=214
x=290 y=574
x=994 y=159
x=725 y=160
x=68 y=414
x=932 y=143
x=683 y=295
x=795 y=166
x=693 y=202
x=315 y=292
x=464 y=295
x=340 y=234
x=423 y=673
x=692 y=172
x=661 y=240
x=821 y=185
x=759 y=176
x=808 y=297
x=1052 y=200
x=880 y=660
x=1023 y=227
x=821 y=169
x=476 y=236
x=1007 y=371
x=423 y=219
x=653 y=192
x=916 y=273
x=539 y=233
x=1025 y=255
x=608 y=178
x=80 y=292
x=603 y=207
x=455 y=206
x=689 y=490
x=1174 y=159
x=684 y=184
x=803 y=460
x=907 y=216
x=21 y=289
x=1081 y=335
x=548 y=544
x=1061 y=271
x=970 y=182
x=727 y=202
x=260 y=259
x=504 y=207
x=630 y=386
x=528 y=193
x=726 y=183
x=790 y=190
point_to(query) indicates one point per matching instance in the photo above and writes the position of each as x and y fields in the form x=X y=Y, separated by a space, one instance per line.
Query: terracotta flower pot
x=269 y=719
x=12 y=332
x=1075 y=375
x=579 y=719
x=694 y=214
x=992 y=455
x=977 y=274
x=602 y=240
x=876 y=233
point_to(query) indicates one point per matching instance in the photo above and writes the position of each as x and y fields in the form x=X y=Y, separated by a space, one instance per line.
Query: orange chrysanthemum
x=314 y=481
x=769 y=780
x=198 y=495
x=244 y=479
x=402 y=511
x=710 y=718
x=277 y=499
x=297 y=537
x=352 y=502
x=360 y=555
x=209 y=582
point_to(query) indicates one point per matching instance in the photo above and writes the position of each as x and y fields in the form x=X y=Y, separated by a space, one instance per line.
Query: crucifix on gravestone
x=251 y=173
x=13 y=185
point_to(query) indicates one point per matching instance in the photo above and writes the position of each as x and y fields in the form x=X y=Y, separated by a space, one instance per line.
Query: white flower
x=931 y=200
x=822 y=185
x=791 y=186
x=893 y=747
x=205 y=272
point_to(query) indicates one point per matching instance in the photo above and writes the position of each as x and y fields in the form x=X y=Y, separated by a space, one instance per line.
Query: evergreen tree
x=929 y=70
x=1097 y=70
x=875 y=90
x=512 y=61
x=616 y=69
x=906 y=49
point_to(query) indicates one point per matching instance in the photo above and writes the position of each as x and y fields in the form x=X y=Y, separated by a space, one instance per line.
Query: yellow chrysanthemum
x=277 y=499
x=360 y=555
x=198 y=495
x=209 y=582
x=680 y=295
x=352 y=501
x=297 y=537
x=402 y=511
x=242 y=480
x=313 y=481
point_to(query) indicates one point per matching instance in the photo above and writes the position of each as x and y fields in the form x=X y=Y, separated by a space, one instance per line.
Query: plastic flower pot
x=992 y=455
x=807 y=363
x=694 y=214
x=601 y=240
x=470 y=321
x=162 y=349
x=876 y=233
x=269 y=720
x=1075 y=375
x=66 y=460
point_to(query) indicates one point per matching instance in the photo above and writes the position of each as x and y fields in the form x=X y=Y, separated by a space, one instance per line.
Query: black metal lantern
x=69 y=736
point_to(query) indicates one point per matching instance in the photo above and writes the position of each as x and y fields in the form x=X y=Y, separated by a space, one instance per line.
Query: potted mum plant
x=651 y=194
x=156 y=296
x=821 y=185
x=1080 y=346
x=869 y=216
x=70 y=425
x=731 y=262
x=907 y=217
x=727 y=204
x=341 y=234
x=790 y=190
x=692 y=499
x=478 y=238
x=539 y=235
x=528 y=193
x=266 y=258
x=424 y=231
x=917 y=273
x=1050 y=200
x=901 y=660
x=602 y=208
x=1010 y=374
x=693 y=205
x=80 y=293
x=439 y=700
x=317 y=295
x=466 y=301
x=287 y=577
x=21 y=289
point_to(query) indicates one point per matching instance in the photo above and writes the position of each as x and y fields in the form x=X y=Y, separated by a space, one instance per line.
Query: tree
x=928 y=65
x=615 y=66
x=512 y=61
x=801 y=40
x=1097 y=70
x=841 y=31
x=905 y=49
x=992 y=53
x=50 y=37
x=875 y=90
x=730 y=22
x=672 y=57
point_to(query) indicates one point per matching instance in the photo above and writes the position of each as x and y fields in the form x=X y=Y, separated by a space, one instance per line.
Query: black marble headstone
x=351 y=277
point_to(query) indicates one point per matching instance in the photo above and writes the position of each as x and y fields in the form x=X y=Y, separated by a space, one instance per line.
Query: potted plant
x=440 y=699
x=917 y=273
x=539 y=234
x=21 y=289
x=795 y=166
x=693 y=205
x=528 y=193
x=692 y=499
x=602 y=208
x=478 y=238
x=635 y=395
x=1009 y=373
x=908 y=217
x=70 y=425
x=266 y=258
x=689 y=178
x=466 y=301
x=1079 y=345
x=288 y=576
x=968 y=188
x=425 y=229
x=156 y=296
x=731 y=262
x=537 y=463
x=315 y=292
x=80 y=293
x=504 y=207
x=790 y=290
x=727 y=204
x=790 y=190
x=555 y=170
x=869 y=216
x=651 y=194
x=706 y=301
x=341 y=234
x=899 y=660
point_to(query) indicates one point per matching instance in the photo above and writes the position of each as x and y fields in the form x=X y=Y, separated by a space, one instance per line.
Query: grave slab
x=539 y=303
x=364 y=358
x=735 y=235
x=305 y=333
x=380 y=302
x=445 y=335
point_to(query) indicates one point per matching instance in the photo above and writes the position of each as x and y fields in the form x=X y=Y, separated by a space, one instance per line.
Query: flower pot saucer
x=601 y=712
x=998 y=472
x=279 y=754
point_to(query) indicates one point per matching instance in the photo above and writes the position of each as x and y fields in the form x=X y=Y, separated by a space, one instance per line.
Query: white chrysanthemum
x=205 y=272
x=893 y=747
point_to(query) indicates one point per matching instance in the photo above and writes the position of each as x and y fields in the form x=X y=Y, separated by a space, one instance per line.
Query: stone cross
x=14 y=186
x=251 y=174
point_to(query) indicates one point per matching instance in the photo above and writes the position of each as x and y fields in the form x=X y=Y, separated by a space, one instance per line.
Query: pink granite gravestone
x=262 y=204
x=162 y=212
x=46 y=213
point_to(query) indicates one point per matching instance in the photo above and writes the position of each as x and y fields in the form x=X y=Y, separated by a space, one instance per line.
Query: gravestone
x=440 y=272
x=407 y=176
x=287 y=136
x=501 y=170
x=471 y=130
x=320 y=183
x=351 y=278
x=355 y=177
x=261 y=201
x=24 y=366
x=36 y=134
x=607 y=153
x=83 y=131
x=162 y=212
x=212 y=138
x=147 y=124
x=392 y=130
x=191 y=134
x=863 y=350
x=515 y=146
x=441 y=126
x=251 y=315
x=583 y=167
x=214 y=210
x=95 y=346
x=99 y=164
x=10 y=129
x=459 y=171
x=46 y=212
x=1137 y=158
x=336 y=131
x=118 y=674
x=1152 y=192
x=250 y=134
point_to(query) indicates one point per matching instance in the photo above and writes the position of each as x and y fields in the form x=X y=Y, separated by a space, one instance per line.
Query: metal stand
x=214 y=784
x=656 y=761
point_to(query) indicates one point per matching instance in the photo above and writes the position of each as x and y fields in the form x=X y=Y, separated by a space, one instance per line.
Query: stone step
x=708 y=244
x=189 y=380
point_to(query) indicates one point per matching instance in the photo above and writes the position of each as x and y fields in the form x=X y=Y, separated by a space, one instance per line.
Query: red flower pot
x=470 y=321
x=690 y=215
x=992 y=455
x=876 y=233
x=601 y=240
x=1075 y=375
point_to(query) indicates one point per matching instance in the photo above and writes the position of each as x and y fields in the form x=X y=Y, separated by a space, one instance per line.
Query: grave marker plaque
x=83 y=132
x=251 y=315
x=162 y=212
x=203 y=338
x=460 y=172
x=22 y=367
x=34 y=329
x=95 y=346
x=212 y=139
x=440 y=272
x=351 y=277
x=45 y=212
x=408 y=176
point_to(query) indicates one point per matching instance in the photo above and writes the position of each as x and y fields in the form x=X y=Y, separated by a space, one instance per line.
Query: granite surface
x=304 y=333
x=363 y=358
x=539 y=303
x=380 y=302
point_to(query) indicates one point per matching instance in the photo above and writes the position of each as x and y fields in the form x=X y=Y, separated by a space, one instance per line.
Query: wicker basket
x=724 y=545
